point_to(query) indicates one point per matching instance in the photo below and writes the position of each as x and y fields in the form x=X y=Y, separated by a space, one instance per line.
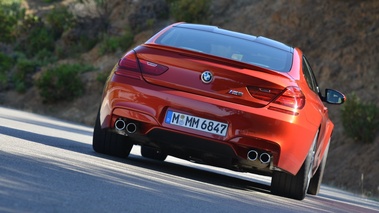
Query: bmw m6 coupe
x=222 y=98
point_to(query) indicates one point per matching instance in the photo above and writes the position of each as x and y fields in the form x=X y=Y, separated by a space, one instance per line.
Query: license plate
x=193 y=122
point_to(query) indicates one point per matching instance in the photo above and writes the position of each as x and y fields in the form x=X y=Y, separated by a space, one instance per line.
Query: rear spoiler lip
x=212 y=58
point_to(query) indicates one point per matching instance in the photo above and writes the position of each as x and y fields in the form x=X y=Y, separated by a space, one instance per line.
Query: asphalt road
x=47 y=165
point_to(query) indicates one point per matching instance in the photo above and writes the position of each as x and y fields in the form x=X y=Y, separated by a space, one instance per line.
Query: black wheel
x=109 y=143
x=291 y=186
x=294 y=186
x=315 y=183
x=149 y=152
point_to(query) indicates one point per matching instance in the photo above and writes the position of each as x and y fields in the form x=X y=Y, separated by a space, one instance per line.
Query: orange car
x=221 y=98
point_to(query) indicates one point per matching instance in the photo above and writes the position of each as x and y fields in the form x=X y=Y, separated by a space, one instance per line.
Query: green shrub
x=35 y=37
x=3 y=80
x=24 y=67
x=126 y=40
x=109 y=45
x=40 y=39
x=6 y=64
x=7 y=24
x=112 y=44
x=195 y=11
x=360 y=120
x=86 y=44
x=59 y=19
x=22 y=76
x=45 y=57
x=75 y=47
x=10 y=13
x=62 y=82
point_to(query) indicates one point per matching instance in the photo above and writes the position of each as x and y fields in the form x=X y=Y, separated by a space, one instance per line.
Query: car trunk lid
x=210 y=76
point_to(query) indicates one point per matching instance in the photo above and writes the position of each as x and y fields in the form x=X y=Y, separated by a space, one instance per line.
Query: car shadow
x=198 y=174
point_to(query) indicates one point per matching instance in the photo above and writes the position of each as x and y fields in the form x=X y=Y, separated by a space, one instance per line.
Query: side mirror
x=334 y=97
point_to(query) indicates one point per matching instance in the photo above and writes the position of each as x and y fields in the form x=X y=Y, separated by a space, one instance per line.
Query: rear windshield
x=228 y=46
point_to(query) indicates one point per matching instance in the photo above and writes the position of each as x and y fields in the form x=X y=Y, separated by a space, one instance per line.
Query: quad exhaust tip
x=252 y=155
x=264 y=157
x=122 y=126
x=131 y=128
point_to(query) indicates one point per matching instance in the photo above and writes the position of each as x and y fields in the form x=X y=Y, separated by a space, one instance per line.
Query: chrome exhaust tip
x=120 y=125
x=131 y=128
x=265 y=158
x=252 y=155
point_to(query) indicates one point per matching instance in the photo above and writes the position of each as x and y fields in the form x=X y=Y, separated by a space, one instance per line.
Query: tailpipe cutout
x=252 y=155
x=131 y=128
x=264 y=157
x=123 y=127
x=120 y=125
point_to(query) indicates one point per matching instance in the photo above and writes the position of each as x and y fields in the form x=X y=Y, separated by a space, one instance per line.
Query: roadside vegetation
x=31 y=43
x=62 y=82
x=360 y=119
x=195 y=11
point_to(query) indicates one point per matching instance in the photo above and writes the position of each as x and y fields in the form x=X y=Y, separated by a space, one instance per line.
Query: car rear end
x=211 y=100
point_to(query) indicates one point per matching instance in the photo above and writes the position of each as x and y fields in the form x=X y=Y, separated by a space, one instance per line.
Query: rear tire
x=315 y=183
x=110 y=143
x=295 y=186
x=291 y=186
x=149 y=152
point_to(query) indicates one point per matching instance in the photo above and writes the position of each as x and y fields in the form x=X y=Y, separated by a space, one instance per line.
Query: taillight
x=151 y=68
x=129 y=62
x=292 y=97
x=265 y=94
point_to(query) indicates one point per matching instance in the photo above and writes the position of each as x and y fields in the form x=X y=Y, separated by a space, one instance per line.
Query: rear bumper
x=286 y=137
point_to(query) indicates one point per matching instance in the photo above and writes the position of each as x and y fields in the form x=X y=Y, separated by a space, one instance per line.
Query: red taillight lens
x=151 y=68
x=292 y=97
x=265 y=94
x=129 y=62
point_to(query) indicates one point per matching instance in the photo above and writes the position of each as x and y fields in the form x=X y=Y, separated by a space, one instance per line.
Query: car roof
x=258 y=39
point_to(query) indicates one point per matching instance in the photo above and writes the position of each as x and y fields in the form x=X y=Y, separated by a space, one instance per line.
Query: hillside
x=340 y=38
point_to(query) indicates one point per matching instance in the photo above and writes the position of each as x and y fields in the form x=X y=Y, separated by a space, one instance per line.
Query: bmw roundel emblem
x=206 y=77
